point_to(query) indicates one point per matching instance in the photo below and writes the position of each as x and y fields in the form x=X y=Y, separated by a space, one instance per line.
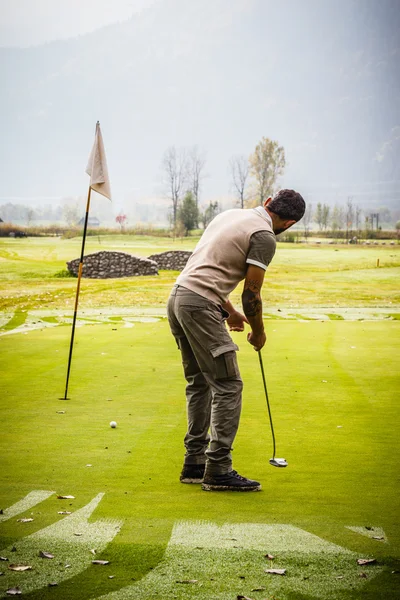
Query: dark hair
x=288 y=204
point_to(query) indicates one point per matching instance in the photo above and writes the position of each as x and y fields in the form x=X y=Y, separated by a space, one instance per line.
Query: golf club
x=275 y=462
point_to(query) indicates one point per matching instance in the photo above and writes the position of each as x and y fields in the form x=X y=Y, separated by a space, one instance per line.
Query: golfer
x=238 y=244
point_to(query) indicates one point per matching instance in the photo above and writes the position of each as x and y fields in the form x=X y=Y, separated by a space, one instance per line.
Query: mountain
x=319 y=76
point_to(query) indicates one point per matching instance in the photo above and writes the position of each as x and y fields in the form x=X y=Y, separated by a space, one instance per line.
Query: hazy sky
x=31 y=22
x=321 y=77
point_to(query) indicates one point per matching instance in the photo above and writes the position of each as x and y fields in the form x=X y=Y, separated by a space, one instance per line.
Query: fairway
x=32 y=275
x=333 y=389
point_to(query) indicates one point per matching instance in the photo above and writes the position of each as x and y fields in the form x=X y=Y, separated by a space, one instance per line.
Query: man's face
x=282 y=227
x=279 y=230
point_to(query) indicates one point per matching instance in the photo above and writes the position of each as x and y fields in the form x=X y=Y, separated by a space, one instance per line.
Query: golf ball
x=113 y=424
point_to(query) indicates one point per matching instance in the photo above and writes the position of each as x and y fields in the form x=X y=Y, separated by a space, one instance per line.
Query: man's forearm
x=252 y=308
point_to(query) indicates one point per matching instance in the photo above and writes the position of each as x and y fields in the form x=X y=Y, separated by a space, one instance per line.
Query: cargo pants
x=214 y=387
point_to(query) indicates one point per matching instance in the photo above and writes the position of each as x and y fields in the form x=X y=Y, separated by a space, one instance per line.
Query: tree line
x=348 y=220
x=253 y=179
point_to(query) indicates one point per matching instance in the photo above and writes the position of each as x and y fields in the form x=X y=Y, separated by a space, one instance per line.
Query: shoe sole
x=191 y=480
x=208 y=487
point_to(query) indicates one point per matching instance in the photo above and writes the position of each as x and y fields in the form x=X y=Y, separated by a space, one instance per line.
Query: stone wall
x=175 y=260
x=105 y=265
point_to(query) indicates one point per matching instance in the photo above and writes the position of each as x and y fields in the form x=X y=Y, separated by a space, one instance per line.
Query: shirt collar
x=265 y=215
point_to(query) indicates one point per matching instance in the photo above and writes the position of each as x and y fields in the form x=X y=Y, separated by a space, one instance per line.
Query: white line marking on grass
x=371 y=532
x=250 y=536
x=26 y=503
x=229 y=560
x=68 y=548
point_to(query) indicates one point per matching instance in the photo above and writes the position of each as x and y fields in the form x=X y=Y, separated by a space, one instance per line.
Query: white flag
x=97 y=166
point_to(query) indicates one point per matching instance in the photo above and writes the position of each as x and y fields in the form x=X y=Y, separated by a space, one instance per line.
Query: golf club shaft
x=266 y=396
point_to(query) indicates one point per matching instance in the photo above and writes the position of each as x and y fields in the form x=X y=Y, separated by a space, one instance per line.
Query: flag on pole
x=99 y=182
x=97 y=166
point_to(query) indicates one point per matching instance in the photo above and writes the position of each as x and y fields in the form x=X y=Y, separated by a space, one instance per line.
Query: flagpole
x=77 y=293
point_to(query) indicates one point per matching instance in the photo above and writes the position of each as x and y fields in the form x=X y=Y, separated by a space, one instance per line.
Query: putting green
x=333 y=388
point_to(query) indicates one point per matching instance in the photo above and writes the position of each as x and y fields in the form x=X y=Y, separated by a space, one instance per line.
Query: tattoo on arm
x=252 y=304
x=252 y=284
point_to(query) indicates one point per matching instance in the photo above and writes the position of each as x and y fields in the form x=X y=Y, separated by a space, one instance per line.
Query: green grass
x=300 y=275
x=333 y=387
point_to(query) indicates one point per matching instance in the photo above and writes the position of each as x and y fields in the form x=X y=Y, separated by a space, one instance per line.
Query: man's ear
x=267 y=201
x=289 y=223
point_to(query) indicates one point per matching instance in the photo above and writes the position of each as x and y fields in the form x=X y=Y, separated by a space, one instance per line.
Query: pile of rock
x=104 y=265
x=174 y=260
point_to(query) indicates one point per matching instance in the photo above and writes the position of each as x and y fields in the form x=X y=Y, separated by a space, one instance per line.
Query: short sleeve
x=262 y=249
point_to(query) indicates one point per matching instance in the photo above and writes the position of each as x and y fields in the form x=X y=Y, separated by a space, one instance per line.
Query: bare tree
x=349 y=216
x=325 y=216
x=318 y=216
x=195 y=166
x=174 y=165
x=71 y=213
x=239 y=170
x=30 y=215
x=358 y=212
x=307 y=220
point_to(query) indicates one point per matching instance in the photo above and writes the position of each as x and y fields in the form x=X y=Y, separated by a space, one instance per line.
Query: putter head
x=278 y=462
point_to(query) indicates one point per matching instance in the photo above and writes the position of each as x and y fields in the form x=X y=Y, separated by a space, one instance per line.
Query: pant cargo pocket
x=225 y=361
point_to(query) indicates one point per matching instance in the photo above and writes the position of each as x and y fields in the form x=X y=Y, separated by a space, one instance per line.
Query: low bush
x=63 y=273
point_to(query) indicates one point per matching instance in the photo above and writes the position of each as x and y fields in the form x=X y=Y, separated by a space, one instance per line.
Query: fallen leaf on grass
x=78 y=534
x=93 y=551
x=14 y=591
x=269 y=556
x=19 y=567
x=188 y=581
x=111 y=576
x=64 y=512
x=259 y=589
x=66 y=497
x=45 y=554
x=3 y=558
x=378 y=537
x=364 y=575
x=60 y=412
x=100 y=562
x=52 y=584
x=276 y=571
x=366 y=561
x=25 y=520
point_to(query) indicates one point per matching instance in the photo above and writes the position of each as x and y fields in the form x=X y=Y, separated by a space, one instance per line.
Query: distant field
x=301 y=274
